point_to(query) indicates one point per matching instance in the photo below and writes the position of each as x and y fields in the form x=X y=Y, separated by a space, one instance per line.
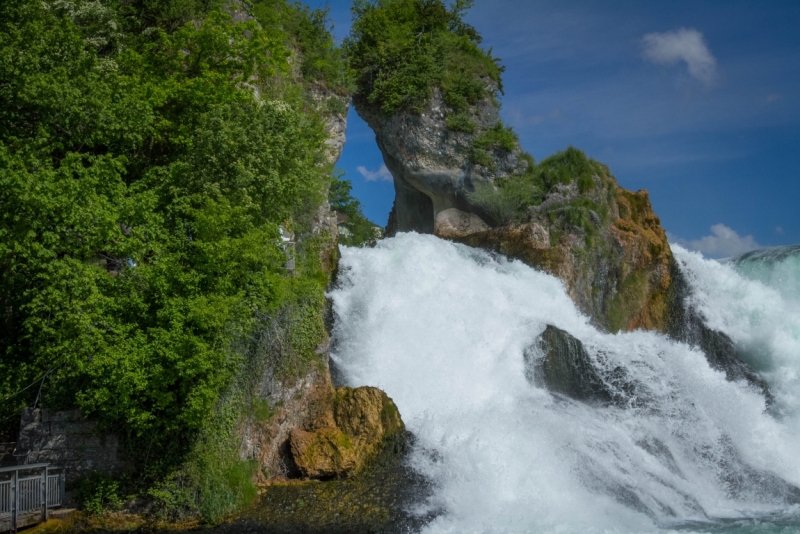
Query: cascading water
x=444 y=330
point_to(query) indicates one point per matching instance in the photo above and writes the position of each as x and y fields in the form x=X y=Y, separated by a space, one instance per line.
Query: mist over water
x=442 y=329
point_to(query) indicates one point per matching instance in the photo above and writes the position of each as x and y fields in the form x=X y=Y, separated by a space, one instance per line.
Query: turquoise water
x=776 y=267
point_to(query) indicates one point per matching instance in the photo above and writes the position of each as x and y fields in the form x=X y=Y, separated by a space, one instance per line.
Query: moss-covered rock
x=364 y=419
x=603 y=241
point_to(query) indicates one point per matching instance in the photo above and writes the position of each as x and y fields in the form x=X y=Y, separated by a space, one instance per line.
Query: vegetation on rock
x=399 y=51
x=150 y=153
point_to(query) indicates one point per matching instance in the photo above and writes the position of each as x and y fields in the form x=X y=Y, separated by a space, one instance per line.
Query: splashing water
x=442 y=328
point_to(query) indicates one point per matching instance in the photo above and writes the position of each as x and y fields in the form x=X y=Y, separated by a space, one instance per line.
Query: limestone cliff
x=433 y=166
x=313 y=430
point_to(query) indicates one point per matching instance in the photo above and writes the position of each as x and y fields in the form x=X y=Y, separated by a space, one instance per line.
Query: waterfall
x=452 y=334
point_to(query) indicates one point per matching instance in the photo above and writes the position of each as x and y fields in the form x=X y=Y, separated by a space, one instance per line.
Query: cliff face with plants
x=166 y=237
x=429 y=91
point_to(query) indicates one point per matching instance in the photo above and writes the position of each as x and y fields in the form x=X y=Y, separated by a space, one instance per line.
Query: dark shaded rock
x=687 y=325
x=68 y=440
x=566 y=367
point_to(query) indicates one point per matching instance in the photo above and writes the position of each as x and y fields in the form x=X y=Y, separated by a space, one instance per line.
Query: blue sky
x=697 y=102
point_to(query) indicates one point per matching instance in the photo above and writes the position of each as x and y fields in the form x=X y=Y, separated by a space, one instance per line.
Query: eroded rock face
x=317 y=431
x=616 y=267
x=364 y=419
x=431 y=164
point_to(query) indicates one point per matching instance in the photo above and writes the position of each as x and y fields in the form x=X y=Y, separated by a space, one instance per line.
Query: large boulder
x=559 y=363
x=365 y=419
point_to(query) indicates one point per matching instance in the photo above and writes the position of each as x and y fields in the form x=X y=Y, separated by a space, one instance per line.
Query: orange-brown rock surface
x=617 y=271
x=363 y=419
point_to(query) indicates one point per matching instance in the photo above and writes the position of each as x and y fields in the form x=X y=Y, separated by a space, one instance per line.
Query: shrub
x=508 y=199
x=98 y=493
x=568 y=166
x=400 y=50
x=461 y=122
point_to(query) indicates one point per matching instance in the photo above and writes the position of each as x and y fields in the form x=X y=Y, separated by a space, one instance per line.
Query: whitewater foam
x=442 y=329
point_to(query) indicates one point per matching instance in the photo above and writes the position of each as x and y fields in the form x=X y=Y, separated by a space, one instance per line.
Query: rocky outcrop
x=364 y=419
x=615 y=262
x=432 y=165
x=606 y=244
x=315 y=430
x=559 y=363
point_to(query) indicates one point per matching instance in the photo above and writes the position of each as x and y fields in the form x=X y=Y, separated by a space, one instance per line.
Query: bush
x=461 y=122
x=508 y=201
x=568 y=166
x=98 y=493
x=400 y=50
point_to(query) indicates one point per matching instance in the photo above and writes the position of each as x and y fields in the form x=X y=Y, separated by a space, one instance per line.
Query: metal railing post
x=14 y=499
x=43 y=494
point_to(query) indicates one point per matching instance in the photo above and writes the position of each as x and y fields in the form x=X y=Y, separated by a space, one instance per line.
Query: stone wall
x=66 y=439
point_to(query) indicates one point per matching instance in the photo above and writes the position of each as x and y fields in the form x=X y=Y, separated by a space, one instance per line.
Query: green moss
x=262 y=410
x=629 y=301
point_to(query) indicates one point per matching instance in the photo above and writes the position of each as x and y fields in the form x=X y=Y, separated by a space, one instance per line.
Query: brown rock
x=453 y=223
x=619 y=275
x=325 y=453
x=364 y=417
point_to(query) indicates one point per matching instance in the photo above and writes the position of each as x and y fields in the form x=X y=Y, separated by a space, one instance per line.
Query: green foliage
x=499 y=137
x=461 y=122
x=360 y=231
x=509 y=199
x=98 y=493
x=262 y=411
x=308 y=31
x=568 y=166
x=143 y=181
x=400 y=50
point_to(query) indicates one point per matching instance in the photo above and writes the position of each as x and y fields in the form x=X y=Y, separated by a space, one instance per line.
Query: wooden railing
x=27 y=492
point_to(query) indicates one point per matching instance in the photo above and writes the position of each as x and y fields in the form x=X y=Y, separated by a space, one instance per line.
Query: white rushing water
x=442 y=329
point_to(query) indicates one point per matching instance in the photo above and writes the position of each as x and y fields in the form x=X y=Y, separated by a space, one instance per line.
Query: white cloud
x=684 y=44
x=723 y=242
x=381 y=174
